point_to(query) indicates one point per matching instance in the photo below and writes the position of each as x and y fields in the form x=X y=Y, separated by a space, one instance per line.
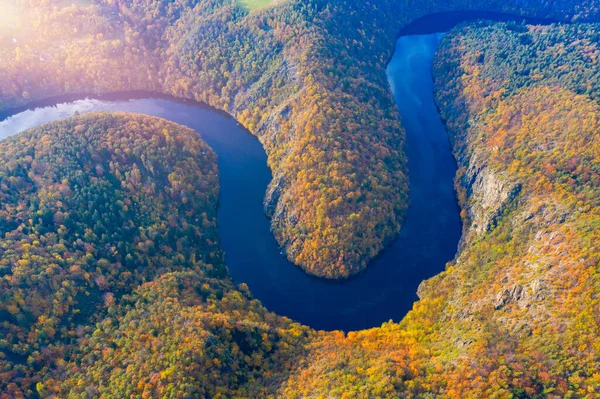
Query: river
x=387 y=289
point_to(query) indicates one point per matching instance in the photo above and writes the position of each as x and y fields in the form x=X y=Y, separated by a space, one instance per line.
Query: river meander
x=388 y=288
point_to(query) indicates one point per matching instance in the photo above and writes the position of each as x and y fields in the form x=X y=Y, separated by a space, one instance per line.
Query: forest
x=92 y=207
x=307 y=77
x=113 y=281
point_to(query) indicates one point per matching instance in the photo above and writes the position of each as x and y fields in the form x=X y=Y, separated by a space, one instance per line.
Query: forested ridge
x=184 y=335
x=308 y=77
x=523 y=113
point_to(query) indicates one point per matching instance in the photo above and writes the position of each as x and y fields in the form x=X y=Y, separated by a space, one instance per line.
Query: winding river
x=387 y=289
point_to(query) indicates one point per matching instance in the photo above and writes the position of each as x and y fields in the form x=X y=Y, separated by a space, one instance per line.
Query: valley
x=130 y=266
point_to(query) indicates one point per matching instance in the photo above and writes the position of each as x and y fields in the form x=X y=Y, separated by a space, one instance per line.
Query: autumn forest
x=113 y=280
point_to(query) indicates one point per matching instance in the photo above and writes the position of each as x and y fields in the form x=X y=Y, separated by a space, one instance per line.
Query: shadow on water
x=387 y=290
x=445 y=21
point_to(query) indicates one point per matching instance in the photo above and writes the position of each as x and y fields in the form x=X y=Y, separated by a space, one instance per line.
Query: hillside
x=184 y=335
x=307 y=77
x=92 y=207
x=522 y=297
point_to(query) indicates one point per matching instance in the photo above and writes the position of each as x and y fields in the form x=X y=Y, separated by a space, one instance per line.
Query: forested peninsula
x=307 y=77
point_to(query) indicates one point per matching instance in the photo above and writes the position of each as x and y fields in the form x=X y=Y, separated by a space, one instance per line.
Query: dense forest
x=308 y=77
x=111 y=275
x=90 y=208
x=113 y=282
x=184 y=335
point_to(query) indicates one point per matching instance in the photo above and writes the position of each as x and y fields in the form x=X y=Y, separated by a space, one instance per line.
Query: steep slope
x=308 y=77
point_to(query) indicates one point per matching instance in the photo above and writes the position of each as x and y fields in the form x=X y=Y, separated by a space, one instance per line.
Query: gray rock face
x=490 y=193
x=276 y=187
x=507 y=296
